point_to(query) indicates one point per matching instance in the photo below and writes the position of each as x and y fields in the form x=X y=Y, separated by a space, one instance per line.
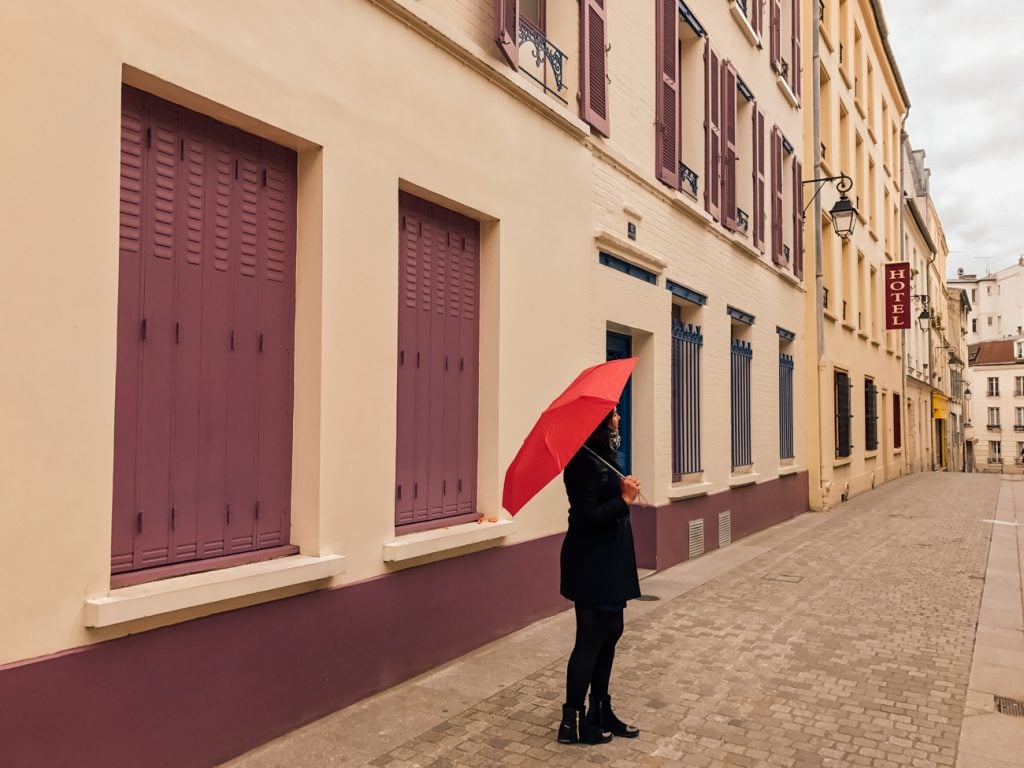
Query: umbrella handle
x=640 y=494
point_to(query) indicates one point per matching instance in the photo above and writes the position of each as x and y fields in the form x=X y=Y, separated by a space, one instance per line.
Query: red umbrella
x=562 y=429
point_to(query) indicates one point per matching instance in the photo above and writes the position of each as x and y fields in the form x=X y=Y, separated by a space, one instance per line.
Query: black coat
x=598 y=559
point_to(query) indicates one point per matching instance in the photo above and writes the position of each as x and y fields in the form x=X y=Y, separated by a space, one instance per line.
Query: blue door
x=619 y=347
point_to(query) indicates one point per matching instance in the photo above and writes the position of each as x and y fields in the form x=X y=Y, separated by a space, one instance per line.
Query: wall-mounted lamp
x=925 y=317
x=843 y=213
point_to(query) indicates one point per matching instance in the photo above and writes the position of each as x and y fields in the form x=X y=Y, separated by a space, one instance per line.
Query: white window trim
x=744 y=22
x=198 y=589
x=437 y=540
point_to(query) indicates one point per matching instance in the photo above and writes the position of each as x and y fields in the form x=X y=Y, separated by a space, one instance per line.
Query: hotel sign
x=897 y=296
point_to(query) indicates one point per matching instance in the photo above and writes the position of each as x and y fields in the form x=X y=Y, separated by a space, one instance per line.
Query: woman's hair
x=600 y=439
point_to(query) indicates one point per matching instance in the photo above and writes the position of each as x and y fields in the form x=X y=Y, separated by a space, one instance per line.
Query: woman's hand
x=630 y=489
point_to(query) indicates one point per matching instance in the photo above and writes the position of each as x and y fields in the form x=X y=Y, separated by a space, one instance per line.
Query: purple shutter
x=776 y=196
x=729 y=216
x=129 y=325
x=759 y=217
x=437 y=364
x=276 y=343
x=216 y=332
x=667 y=96
x=794 y=65
x=188 y=320
x=775 y=34
x=712 y=133
x=153 y=471
x=757 y=15
x=243 y=405
x=594 y=65
x=798 y=220
x=506 y=30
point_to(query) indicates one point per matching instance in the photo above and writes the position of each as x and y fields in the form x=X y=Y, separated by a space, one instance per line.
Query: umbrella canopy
x=562 y=428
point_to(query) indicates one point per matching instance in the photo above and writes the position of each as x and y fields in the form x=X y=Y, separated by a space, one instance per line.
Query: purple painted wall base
x=195 y=694
x=662 y=533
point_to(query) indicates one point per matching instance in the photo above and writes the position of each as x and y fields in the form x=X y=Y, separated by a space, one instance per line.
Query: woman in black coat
x=599 y=575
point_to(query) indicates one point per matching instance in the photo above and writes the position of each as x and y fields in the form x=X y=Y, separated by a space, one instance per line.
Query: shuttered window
x=687 y=341
x=775 y=34
x=786 y=442
x=206 y=310
x=798 y=220
x=759 y=180
x=594 y=65
x=740 y=401
x=728 y=151
x=870 y=415
x=506 y=30
x=794 y=65
x=757 y=16
x=667 y=95
x=438 y=332
x=897 y=422
x=776 y=196
x=712 y=133
x=843 y=416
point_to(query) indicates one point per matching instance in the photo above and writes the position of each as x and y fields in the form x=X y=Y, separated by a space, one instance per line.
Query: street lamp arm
x=843 y=184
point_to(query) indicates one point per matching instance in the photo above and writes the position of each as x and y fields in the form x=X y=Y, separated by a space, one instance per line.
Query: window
x=1020 y=452
x=993 y=418
x=870 y=415
x=784 y=41
x=897 y=422
x=786 y=442
x=843 y=416
x=438 y=353
x=206 y=313
x=974 y=325
x=686 y=388
x=1018 y=386
x=740 y=403
x=1018 y=418
x=995 y=455
x=690 y=109
x=990 y=319
x=974 y=295
x=1018 y=349
x=993 y=386
x=534 y=13
x=593 y=94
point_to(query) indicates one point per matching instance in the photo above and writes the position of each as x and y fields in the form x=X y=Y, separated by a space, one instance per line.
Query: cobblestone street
x=836 y=639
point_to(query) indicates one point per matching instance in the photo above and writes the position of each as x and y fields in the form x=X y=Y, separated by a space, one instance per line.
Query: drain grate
x=648 y=598
x=1006 y=706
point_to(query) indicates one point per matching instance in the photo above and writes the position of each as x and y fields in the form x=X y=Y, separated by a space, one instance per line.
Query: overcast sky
x=963 y=64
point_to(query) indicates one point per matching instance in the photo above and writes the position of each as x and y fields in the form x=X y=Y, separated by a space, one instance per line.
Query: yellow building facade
x=857 y=372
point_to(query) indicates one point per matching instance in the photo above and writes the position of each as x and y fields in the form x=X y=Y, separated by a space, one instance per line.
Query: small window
x=993 y=386
x=870 y=415
x=974 y=325
x=995 y=452
x=533 y=12
x=842 y=413
x=993 y=418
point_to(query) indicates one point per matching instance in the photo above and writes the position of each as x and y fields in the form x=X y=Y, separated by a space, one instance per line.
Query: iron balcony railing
x=546 y=56
x=994 y=428
x=688 y=176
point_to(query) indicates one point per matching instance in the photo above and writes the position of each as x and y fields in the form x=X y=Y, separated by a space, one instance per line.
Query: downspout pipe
x=903 y=258
x=819 y=272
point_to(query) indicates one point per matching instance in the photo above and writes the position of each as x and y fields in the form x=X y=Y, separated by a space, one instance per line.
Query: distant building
x=998 y=302
x=995 y=412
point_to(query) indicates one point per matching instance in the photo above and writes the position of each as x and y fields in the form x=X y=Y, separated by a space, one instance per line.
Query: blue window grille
x=786 y=447
x=686 y=344
x=742 y=454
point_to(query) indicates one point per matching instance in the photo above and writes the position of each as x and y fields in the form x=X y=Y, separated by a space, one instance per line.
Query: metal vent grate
x=696 y=538
x=724 y=528
x=1009 y=706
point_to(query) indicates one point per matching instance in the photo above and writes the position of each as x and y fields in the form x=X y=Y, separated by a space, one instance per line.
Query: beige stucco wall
x=856 y=343
x=372 y=105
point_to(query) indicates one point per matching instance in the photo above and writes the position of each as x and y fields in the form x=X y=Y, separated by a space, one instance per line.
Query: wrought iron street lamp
x=843 y=213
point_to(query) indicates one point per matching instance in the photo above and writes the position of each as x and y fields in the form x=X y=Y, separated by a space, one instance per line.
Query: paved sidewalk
x=835 y=639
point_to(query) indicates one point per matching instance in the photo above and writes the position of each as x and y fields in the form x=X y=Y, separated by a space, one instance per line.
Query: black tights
x=590 y=664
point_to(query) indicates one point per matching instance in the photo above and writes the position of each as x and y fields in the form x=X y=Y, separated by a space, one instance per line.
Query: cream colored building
x=998 y=302
x=858 y=373
x=422 y=202
x=996 y=407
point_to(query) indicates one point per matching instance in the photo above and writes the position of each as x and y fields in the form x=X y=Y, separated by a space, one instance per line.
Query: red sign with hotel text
x=897 y=296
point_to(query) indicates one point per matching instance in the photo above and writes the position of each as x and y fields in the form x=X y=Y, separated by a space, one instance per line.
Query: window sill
x=159 y=597
x=844 y=461
x=873 y=231
x=871 y=130
x=876 y=342
x=790 y=469
x=744 y=22
x=680 y=492
x=826 y=166
x=787 y=91
x=846 y=75
x=415 y=545
x=738 y=481
x=897 y=451
x=859 y=104
x=871 y=454
x=862 y=335
x=849 y=326
x=830 y=315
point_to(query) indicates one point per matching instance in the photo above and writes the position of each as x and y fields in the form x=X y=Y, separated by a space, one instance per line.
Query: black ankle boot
x=576 y=729
x=601 y=715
